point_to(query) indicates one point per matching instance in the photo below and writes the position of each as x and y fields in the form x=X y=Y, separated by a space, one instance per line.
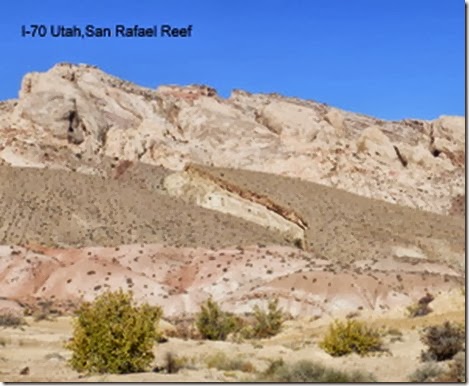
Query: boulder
x=377 y=144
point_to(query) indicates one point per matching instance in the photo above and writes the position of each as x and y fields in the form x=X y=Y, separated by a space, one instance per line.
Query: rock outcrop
x=89 y=114
x=180 y=194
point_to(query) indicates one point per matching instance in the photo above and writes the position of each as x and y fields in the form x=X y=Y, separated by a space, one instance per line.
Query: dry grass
x=53 y=208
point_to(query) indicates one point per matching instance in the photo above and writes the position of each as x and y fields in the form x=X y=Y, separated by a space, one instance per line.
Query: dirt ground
x=39 y=346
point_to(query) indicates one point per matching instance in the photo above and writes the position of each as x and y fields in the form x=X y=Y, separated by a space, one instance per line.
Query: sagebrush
x=221 y=361
x=456 y=370
x=443 y=341
x=350 y=336
x=112 y=335
x=422 y=307
x=428 y=372
x=173 y=363
x=307 y=371
x=9 y=319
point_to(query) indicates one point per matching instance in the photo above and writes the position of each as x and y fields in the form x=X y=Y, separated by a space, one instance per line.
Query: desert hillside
x=180 y=195
x=79 y=112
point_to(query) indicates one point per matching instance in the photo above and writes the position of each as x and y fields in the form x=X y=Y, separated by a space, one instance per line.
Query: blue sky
x=390 y=59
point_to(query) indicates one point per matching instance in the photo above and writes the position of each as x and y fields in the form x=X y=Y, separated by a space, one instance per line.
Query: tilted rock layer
x=179 y=194
x=78 y=111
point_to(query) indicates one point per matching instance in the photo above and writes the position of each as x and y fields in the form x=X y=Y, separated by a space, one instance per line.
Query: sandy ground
x=39 y=346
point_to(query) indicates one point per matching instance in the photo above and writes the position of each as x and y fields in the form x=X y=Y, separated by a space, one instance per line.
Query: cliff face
x=75 y=113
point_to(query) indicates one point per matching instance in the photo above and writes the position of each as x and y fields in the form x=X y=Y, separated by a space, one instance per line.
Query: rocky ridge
x=180 y=194
x=78 y=111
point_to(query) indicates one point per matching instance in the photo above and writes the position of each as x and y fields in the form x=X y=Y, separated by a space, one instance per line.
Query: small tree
x=268 y=323
x=111 y=335
x=213 y=323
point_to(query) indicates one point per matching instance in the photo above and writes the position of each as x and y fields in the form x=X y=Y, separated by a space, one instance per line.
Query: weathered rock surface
x=183 y=185
x=84 y=112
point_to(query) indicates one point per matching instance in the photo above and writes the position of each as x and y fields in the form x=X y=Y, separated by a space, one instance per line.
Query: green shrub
x=9 y=319
x=213 y=323
x=443 y=341
x=426 y=373
x=307 y=371
x=221 y=361
x=268 y=323
x=350 y=336
x=111 y=335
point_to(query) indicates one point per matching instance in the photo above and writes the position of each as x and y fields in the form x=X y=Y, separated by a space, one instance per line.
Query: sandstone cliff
x=78 y=112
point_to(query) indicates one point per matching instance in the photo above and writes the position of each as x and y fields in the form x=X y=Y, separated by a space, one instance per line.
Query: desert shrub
x=221 y=361
x=443 y=341
x=426 y=373
x=184 y=328
x=111 y=335
x=350 y=336
x=174 y=363
x=268 y=323
x=456 y=369
x=307 y=371
x=45 y=311
x=246 y=331
x=417 y=310
x=9 y=319
x=274 y=365
x=213 y=323
x=421 y=308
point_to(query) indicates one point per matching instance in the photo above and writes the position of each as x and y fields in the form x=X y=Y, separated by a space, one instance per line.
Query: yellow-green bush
x=112 y=335
x=351 y=336
x=268 y=323
x=213 y=323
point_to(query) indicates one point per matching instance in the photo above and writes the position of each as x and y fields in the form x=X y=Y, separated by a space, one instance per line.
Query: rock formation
x=83 y=112
x=181 y=194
